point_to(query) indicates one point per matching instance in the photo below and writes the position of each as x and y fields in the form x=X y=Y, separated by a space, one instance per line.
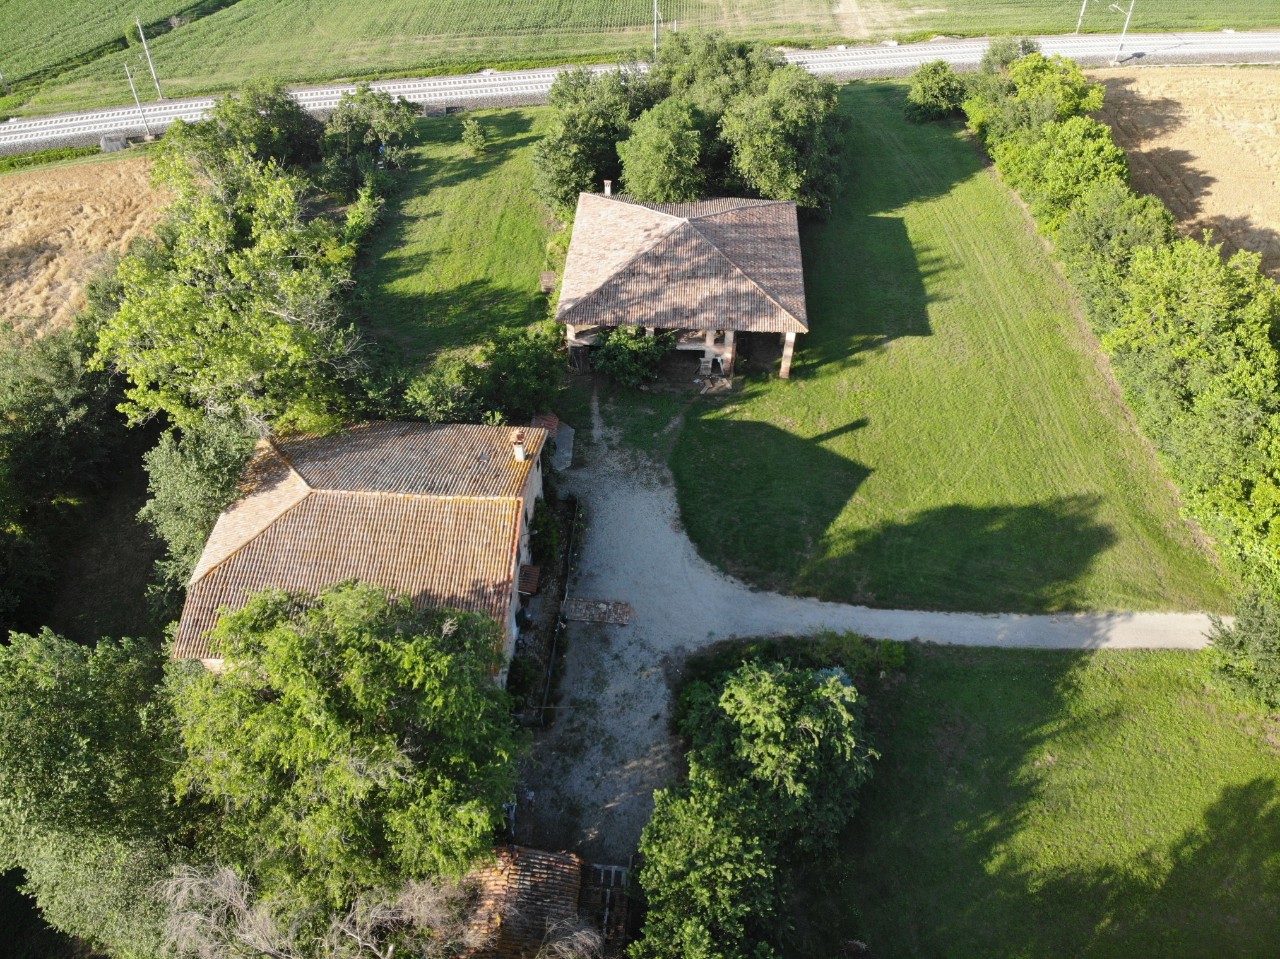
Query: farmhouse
x=439 y=514
x=707 y=270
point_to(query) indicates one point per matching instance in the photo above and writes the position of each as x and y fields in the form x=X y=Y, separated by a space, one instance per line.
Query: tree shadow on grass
x=412 y=324
x=982 y=559
x=1219 y=894
x=932 y=862
x=756 y=499
x=867 y=280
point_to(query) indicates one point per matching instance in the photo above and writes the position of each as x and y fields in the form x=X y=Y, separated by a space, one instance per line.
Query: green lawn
x=1056 y=804
x=311 y=40
x=948 y=440
x=463 y=241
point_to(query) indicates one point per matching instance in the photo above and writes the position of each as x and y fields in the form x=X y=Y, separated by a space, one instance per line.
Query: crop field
x=1206 y=140
x=58 y=224
x=950 y=439
x=1046 y=804
x=312 y=40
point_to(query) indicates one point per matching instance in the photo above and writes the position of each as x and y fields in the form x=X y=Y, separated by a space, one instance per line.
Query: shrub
x=193 y=475
x=936 y=92
x=1002 y=51
x=630 y=356
x=473 y=137
x=546 y=534
x=775 y=761
x=1247 y=653
x=1053 y=167
x=1098 y=236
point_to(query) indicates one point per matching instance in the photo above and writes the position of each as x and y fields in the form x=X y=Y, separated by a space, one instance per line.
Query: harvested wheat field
x=1206 y=140
x=58 y=225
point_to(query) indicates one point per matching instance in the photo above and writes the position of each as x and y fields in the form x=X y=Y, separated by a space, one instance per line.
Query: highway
x=530 y=86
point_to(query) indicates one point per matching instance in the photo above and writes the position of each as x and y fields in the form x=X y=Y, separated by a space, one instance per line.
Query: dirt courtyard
x=57 y=225
x=1206 y=140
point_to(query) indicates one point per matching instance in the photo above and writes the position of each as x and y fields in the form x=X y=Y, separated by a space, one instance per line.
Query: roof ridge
x=631 y=201
x=284 y=458
x=749 y=278
x=240 y=547
x=626 y=264
x=401 y=494
x=743 y=203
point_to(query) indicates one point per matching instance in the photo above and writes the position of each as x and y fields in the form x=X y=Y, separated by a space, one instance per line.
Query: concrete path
x=636 y=550
x=593 y=772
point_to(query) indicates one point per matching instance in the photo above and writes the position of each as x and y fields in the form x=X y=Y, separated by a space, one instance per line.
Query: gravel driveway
x=594 y=770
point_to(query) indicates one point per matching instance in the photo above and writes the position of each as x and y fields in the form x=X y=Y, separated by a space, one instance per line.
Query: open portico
x=706 y=271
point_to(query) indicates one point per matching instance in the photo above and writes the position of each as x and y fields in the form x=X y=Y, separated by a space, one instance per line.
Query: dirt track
x=1207 y=141
x=57 y=225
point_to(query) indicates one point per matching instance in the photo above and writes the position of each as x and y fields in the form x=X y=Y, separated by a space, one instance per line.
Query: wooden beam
x=788 y=348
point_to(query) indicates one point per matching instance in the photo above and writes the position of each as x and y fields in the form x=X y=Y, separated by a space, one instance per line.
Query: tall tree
x=660 y=160
x=785 y=140
x=352 y=742
x=236 y=315
x=85 y=809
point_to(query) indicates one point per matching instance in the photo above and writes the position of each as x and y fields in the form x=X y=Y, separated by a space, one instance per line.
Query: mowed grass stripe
x=459 y=252
x=949 y=441
x=1046 y=804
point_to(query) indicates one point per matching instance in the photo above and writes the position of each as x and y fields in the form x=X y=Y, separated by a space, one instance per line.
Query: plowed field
x=58 y=225
x=1207 y=141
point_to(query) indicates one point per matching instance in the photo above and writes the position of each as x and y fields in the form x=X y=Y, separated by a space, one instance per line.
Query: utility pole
x=145 y=125
x=4 y=83
x=1123 y=33
x=1080 y=22
x=147 y=51
x=655 y=26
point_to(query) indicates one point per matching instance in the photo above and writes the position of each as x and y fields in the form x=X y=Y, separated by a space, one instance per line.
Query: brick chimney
x=518 y=449
x=608 y=188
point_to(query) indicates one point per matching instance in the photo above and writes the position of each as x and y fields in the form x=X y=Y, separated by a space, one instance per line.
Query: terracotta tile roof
x=430 y=460
x=715 y=264
x=429 y=512
x=521 y=896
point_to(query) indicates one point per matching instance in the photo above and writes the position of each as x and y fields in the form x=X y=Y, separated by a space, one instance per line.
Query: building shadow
x=981 y=559
x=787 y=491
x=867 y=279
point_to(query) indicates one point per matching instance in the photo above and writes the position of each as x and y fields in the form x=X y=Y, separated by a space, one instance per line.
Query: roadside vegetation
x=220 y=44
x=710 y=117
x=1192 y=334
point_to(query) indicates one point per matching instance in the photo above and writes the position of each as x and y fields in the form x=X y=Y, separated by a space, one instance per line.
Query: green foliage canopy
x=660 y=158
x=937 y=91
x=192 y=476
x=351 y=743
x=776 y=758
x=236 y=314
x=1054 y=166
x=785 y=140
x=1247 y=652
x=85 y=759
x=630 y=356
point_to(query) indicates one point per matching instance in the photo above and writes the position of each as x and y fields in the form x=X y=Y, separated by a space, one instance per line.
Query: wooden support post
x=570 y=331
x=788 y=348
x=651 y=331
x=730 y=351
